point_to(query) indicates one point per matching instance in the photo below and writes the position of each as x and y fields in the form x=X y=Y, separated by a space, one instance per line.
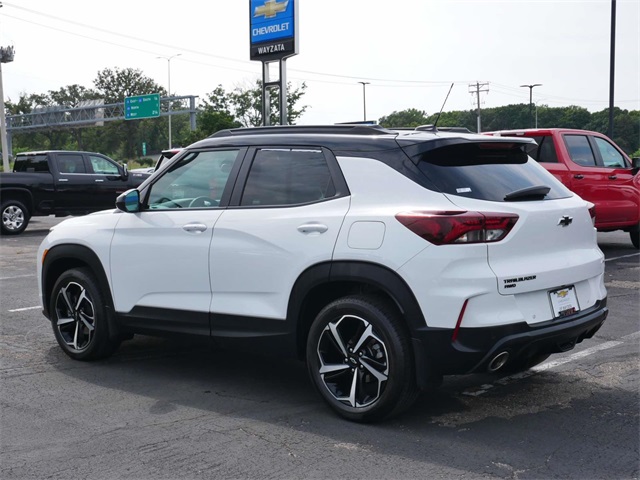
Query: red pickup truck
x=595 y=168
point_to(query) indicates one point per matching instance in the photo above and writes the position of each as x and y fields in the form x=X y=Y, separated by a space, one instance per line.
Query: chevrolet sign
x=273 y=31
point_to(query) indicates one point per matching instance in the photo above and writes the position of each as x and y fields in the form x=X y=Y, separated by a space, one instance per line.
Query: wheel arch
x=22 y=195
x=321 y=284
x=65 y=257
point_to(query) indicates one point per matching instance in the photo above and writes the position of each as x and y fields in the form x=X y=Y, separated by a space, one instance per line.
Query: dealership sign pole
x=273 y=33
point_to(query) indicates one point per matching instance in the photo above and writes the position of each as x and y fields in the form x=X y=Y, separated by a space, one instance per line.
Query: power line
x=198 y=52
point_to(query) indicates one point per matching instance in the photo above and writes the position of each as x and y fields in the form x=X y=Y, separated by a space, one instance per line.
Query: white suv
x=385 y=259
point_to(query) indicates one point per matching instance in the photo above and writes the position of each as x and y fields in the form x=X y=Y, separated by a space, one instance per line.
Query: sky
x=410 y=51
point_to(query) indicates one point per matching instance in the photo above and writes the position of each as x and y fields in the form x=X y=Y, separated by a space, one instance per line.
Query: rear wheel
x=635 y=237
x=360 y=359
x=79 y=318
x=15 y=217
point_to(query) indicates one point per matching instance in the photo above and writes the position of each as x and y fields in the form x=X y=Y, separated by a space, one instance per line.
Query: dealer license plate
x=564 y=301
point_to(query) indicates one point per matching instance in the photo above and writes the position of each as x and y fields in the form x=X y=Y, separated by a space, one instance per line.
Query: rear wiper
x=537 y=192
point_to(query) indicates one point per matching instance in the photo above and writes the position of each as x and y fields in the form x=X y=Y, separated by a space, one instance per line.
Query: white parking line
x=24 y=309
x=18 y=276
x=482 y=389
x=623 y=256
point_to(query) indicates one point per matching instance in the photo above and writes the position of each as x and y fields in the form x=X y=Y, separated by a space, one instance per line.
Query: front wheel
x=15 y=217
x=360 y=360
x=635 y=237
x=79 y=318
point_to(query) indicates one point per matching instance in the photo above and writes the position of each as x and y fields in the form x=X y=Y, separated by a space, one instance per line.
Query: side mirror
x=129 y=201
x=125 y=171
x=635 y=165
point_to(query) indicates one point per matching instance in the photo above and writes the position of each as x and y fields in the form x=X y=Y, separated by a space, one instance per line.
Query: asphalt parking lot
x=168 y=409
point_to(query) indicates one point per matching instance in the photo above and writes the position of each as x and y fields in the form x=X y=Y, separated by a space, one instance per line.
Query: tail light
x=592 y=212
x=458 y=227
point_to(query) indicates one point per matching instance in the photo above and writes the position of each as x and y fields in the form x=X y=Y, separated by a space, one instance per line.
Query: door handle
x=578 y=176
x=613 y=177
x=99 y=180
x=308 y=228
x=194 y=227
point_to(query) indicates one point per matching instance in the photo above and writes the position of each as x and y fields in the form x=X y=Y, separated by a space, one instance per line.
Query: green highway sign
x=142 y=106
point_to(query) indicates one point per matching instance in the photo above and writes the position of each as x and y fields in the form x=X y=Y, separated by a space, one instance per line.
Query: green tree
x=214 y=115
x=246 y=105
x=72 y=96
x=411 y=117
x=114 y=85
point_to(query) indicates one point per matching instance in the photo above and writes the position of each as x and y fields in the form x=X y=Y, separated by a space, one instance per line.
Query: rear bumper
x=474 y=348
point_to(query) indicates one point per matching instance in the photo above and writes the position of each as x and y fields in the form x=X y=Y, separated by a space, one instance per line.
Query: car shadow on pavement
x=550 y=423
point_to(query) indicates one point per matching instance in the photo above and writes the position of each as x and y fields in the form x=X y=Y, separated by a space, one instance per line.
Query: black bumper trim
x=476 y=347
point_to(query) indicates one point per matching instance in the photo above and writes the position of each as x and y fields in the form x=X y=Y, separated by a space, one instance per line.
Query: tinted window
x=546 y=150
x=70 y=163
x=103 y=166
x=486 y=173
x=610 y=154
x=580 y=150
x=287 y=177
x=196 y=181
x=31 y=163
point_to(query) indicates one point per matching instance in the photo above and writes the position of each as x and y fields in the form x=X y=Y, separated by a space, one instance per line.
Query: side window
x=546 y=150
x=196 y=181
x=610 y=154
x=103 y=166
x=580 y=150
x=287 y=177
x=70 y=163
x=32 y=163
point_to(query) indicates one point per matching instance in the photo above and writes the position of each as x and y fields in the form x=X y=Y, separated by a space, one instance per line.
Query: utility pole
x=364 y=98
x=612 y=66
x=476 y=89
x=530 y=87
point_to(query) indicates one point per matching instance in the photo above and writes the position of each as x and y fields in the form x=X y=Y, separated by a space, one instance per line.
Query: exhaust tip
x=498 y=361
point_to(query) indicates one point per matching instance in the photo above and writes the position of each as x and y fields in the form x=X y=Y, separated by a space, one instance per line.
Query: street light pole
x=6 y=56
x=530 y=87
x=168 y=59
x=364 y=98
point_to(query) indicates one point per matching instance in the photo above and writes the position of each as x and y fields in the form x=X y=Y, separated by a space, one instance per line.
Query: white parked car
x=384 y=259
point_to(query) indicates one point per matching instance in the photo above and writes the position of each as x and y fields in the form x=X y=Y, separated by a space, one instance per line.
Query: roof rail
x=343 y=129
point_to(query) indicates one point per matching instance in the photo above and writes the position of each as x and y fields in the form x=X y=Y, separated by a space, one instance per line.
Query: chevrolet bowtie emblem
x=271 y=8
x=565 y=221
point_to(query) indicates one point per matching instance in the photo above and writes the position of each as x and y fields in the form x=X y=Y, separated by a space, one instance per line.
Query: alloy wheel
x=12 y=217
x=354 y=363
x=75 y=316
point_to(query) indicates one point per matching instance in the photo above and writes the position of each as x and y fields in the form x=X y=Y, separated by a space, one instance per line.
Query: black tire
x=376 y=379
x=525 y=363
x=79 y=318
x=15 y=217
x=635 y=238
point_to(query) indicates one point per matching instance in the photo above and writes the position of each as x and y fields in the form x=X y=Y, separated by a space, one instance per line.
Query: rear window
x=487 y=171
x=31 y=163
